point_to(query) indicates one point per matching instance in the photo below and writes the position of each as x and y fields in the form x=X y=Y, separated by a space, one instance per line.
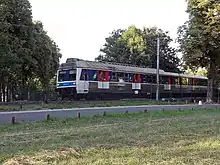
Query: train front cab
x=66 y=84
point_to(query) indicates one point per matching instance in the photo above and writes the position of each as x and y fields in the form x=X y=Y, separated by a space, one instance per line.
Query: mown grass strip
x=83 y=104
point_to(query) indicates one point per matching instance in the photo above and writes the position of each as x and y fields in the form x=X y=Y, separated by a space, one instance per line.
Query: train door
x=103 y=79
x=167 y=83
x=136 y=82
x=193 y=84
x=82 y=83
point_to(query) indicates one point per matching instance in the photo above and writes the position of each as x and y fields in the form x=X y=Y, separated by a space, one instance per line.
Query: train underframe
x=71 y=94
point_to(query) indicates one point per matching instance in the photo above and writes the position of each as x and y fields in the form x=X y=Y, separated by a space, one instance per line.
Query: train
x=81 y=79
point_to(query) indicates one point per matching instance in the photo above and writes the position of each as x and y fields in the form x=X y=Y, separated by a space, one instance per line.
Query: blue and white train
x=77 y=79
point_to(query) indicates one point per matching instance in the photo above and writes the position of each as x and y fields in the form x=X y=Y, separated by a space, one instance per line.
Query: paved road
x=38 y=115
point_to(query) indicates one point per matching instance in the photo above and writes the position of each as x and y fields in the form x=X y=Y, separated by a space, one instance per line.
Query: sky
x=79 y=27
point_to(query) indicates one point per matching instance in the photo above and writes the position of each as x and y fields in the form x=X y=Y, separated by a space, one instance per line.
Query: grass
x=81 y=104
x=186 y=137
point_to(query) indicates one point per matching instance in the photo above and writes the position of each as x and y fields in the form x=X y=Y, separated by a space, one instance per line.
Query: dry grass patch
x=173 y=155
x=45 y=157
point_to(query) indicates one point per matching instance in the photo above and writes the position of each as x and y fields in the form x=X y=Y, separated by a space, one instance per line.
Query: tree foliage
x=138 y=47
x=113 y=48
x=26 y=51
x=198 y=71
x=199 y=38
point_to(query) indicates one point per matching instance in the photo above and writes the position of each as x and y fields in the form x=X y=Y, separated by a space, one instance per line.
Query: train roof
x=78 y=63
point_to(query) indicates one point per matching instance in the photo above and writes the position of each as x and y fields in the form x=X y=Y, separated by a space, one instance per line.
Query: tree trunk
x=0 y=92
x=209 y=91
x=3 y=91
x=22 y=88
x=11 y=98
x=7 y=93
x=29 y=95
x=45 y=93
x=211 y=82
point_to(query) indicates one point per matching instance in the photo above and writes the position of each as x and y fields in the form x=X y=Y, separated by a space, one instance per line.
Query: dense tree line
x=139 y=47
x=28 y=56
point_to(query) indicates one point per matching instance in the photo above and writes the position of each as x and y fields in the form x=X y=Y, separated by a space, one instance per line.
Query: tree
x=168 y=56
x=115 y=49
x=138 y=47
x=199 y=39
x=46 y=55
x=15 y=26
x=27 y=53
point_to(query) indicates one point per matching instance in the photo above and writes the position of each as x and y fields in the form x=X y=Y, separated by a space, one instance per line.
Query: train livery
x=77 y=79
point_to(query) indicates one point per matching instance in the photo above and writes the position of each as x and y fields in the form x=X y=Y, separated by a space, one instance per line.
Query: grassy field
x=81 y=104
x=168 y=138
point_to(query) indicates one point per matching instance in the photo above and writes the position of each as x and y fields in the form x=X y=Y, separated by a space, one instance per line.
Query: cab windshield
x=72 y=75
x=67 y=75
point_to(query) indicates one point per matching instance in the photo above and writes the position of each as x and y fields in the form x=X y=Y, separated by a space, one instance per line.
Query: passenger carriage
x=99 y=80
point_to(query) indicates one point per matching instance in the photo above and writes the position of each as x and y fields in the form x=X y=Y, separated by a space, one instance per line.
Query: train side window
x=148 y=78
x=189 y=81
x=130 y=77
x=160 y=80
x=154 y=79
x=184 y=81
x=175 y=81
x=72 y=75
x=143 y=78
x=126 y=77
x=84 y=75
x=134 y=78
x=163 y=80
x=194 y=81
x=114 y=76
x=61 y=76
x=138 y=78
x=92 y=74
x=110 y=76
x=120 y=75
x=102 y=76
x=200 y=82
x=166 y=80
